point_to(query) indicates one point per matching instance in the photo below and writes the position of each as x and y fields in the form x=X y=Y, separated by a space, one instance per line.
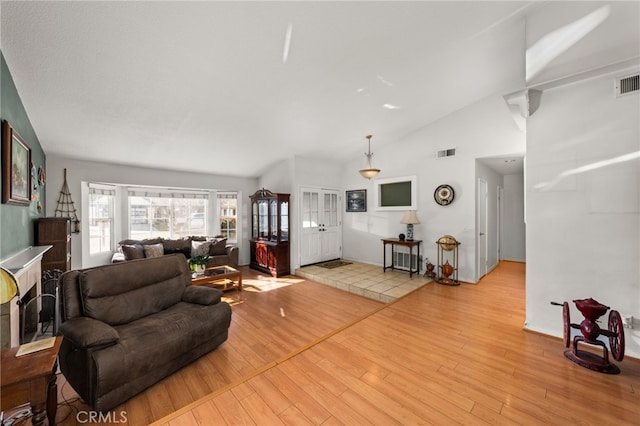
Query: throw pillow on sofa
x=132 y=251
x=218 y=247
x=200 y=248
x=153 y=250
x=181 y=245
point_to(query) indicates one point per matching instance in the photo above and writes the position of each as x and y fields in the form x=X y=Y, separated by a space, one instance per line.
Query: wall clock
x=444 y=195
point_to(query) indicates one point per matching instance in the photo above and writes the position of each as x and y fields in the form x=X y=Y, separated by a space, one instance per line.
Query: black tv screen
x=395 y=194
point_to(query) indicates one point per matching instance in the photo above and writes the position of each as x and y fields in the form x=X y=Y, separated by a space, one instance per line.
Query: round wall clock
x=444 y=195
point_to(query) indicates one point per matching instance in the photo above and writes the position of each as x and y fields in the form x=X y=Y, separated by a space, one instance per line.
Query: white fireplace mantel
x=25 y=265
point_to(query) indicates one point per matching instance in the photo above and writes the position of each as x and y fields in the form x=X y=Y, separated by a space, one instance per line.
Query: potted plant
x=198 y=263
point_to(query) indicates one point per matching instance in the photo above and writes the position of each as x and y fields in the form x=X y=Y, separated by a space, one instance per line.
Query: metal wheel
x=567 y=324
x=616 y=339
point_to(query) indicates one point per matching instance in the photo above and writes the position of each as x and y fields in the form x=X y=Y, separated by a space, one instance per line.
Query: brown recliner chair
x=128 y=325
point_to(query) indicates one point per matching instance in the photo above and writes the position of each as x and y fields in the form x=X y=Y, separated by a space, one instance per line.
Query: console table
x=406 y=243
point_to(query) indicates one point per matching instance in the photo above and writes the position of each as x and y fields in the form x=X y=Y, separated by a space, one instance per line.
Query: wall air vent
x=446 y=153
x=627 y=85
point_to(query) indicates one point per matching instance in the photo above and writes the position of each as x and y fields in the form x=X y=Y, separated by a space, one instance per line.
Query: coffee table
x=224 y=276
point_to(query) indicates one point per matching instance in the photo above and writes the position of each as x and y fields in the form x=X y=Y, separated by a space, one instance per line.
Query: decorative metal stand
x=429 y=270
x=448 y=272
x=66 y=207
x=592 y=310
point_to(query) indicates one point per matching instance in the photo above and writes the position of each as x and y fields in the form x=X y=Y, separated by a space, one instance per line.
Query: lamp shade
x=8 y=285
x=369 y=173
x=410 y=218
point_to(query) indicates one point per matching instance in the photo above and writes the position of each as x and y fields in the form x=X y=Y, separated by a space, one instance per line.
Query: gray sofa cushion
x=86 y=332
x=122 y=295
x=218 y=246
x=133 y=251
x=201 y=295
x=181 y=245
x=182 y=326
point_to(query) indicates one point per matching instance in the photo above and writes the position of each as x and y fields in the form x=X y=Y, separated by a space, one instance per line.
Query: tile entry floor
x=366 y=280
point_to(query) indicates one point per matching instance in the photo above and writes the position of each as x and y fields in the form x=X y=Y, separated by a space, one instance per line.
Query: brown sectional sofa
x=220 y=253
x=128 y=325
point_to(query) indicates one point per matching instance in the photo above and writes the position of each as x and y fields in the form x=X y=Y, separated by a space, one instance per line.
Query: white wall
x=79 y=171
x=513 y=244
x=583 y=217
x=278 y=178
x=483 y=129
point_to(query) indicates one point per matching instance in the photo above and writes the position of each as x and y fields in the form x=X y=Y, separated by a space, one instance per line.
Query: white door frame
x=316 y=235
x=482 y=225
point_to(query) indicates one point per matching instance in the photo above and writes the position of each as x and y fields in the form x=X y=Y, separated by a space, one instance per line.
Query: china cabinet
x=270 y=233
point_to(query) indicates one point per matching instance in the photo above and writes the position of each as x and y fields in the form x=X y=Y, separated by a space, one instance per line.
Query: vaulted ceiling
x=233 y=87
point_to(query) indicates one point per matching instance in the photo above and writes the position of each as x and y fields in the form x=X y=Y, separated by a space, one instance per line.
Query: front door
x=321 y=227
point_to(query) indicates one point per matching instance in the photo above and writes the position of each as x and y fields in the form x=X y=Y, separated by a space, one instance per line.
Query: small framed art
x=357 y=200
x=16 y=168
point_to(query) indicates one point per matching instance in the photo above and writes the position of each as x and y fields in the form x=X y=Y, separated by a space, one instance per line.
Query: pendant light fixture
x=370 y=172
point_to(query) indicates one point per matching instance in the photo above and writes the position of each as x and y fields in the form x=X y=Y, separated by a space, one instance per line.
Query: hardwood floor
x=442 y=355
x=258 y=337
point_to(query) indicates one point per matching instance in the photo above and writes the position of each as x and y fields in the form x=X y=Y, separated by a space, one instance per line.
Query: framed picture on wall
x=357 y=200
x=16 y=167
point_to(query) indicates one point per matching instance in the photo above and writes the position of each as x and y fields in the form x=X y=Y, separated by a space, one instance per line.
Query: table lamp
x=410 y=218
x=8 y=286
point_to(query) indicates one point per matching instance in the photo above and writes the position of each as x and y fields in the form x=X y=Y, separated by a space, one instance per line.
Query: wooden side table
x=406 y=243
x=31 y=378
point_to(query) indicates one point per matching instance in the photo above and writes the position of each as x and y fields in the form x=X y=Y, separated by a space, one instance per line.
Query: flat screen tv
x=396 y=193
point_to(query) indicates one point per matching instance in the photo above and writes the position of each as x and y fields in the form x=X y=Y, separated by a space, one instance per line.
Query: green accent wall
x=16 y=222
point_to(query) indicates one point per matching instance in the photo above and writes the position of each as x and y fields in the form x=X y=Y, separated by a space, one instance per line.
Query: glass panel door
x=263 y=219
x=284 y=221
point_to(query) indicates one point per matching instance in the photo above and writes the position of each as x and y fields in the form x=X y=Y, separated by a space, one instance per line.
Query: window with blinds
x=166 y=214
x=228 y=215
x=101 y=217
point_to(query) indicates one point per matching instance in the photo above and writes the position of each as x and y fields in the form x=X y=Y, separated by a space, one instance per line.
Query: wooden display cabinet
x=270 y=237
x=54 y=231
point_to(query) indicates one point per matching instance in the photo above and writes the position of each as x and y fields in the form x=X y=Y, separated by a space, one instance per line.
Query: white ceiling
x=203 y=86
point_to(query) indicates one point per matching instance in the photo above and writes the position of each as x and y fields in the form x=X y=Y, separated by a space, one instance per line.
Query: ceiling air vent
x=446 y=153
x=627 y=85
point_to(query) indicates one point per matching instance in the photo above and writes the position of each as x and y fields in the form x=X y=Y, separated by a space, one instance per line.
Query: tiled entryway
x=366 y=280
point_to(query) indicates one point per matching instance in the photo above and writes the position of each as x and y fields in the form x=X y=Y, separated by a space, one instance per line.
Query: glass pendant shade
x=370 y=172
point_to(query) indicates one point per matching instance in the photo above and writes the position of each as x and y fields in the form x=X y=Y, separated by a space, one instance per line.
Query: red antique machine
x=592 y=310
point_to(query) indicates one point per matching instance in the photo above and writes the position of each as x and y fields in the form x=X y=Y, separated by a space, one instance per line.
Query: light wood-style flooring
x=441 y=355
x=259 y=335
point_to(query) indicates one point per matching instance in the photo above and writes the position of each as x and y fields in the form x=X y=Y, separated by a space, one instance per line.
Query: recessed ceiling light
x=384 y=81
x=389 y=106
x=287 y=43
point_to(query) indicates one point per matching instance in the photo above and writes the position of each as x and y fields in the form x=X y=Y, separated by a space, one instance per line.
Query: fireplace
x=28 y=316
x=37 y=314
x=26 y=265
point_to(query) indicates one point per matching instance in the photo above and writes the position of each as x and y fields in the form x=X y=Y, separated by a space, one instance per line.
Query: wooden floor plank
x=441 y=355
x=258 y=336
x=231 y=411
